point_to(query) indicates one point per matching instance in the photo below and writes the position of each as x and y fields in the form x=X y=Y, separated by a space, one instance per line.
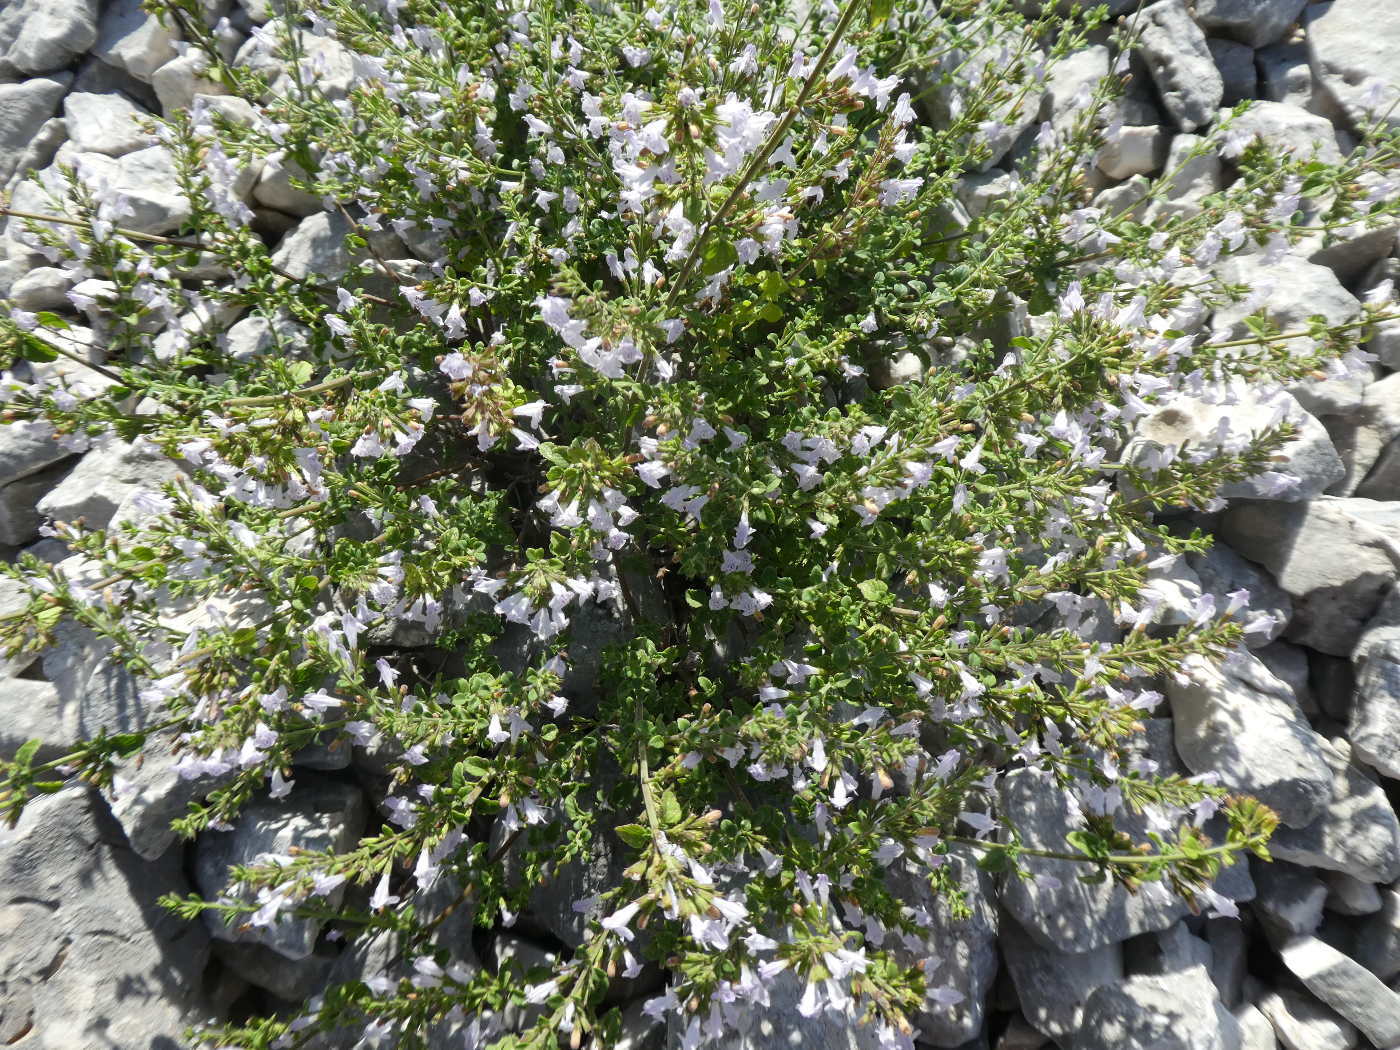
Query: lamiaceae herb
x=680 y=495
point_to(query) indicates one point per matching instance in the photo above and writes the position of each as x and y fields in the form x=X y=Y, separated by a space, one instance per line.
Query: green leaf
x=32 y=348
x=634 y=835
x=671 y=812
x=52 y=320
x=127 y=744
x=873 y=590
x=24 y=757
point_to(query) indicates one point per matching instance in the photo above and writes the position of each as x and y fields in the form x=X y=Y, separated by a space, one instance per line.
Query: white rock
x=1192 y=178
x=1284 y=75
x=88 y=958
x=1352 y=46
x=1243 y=724
x=37 y=36
x=24 y=108
x=1285 y=128
x=133 y=40
x=1135 y=151
x=27 y=448
x=42 y=288
x=1052 y=986
x=274 y=187
x=1222 y=572
x=1336 y=558
x=1374 y=729
x=1254 y=22
x=1256 y=1033
x=1181 y=64
x=19 y=517
x=1357 y=832
x=107 y=124
x=318 y=814
x=147 y=177
x=1308 y=457
x=1173 y=1011
x=317 y=245
x=1346 y=986
x=104 y=479
x=1302 y=1023
x=178 y=81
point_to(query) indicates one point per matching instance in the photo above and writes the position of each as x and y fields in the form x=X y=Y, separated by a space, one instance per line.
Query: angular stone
x=1357 y=833
x=1352 y=46
x=149 y=792
x=1288 y=897
x=27 y=448
x=19 y=516
x=178 y=81
x=88 y=958
x=1052 y=986
x=329 y=67
x=1303 y=1023
x=1135 y=151
x=1222 y=572
x=1243 y=724
x=1378 y=940
x=1347 y=987
x=1286 y=128
x=1308 y=457
x=1284 y=75
x=957 y=954
x=1236 y=64
x=1181 y=64
x=37 y=36
x=1191 y=178
x=275 y=190
x=1059 y=910
x=133 y=40
x=1178 y=1010
x=42 y=288
x=1374 y=729
x=1253 y=22
x=1328 y=555
x=316 y=245
x=24 y=108
x=107 y=124
x=317 y=815
x=1350 y=896
x=105 y=478
x=1256 y=1033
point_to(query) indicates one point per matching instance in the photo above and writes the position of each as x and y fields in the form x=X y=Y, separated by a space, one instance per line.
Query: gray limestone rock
x=1237 y=70
x=1288 y=897
x=957 y=954
x=318 y=814
x=109 y=124
x=1357 y=833
x=88 y=958
x=133 y=40
x=1374 y=729
x=316 y=245
x=1222 y=572
x=1178 y=1010
x=1352 y=46
x=24 y=108
x=1346 y=986
x=1134 y=151
x=1303 y=1023
x=1181 y=64
x=1253 y=22
x=105 y=478
x=1059 y=910
x=1329 y=555
x=1052 y=986
x=1378 y=941
x=1284 y=75
x=1287 y=128
x=1242 y=723
x=38 y=36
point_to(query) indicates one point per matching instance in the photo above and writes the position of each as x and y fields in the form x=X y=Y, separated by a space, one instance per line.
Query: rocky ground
x=1309 y=720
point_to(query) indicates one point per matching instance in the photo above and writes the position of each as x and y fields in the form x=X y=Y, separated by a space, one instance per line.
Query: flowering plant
x=680 y=483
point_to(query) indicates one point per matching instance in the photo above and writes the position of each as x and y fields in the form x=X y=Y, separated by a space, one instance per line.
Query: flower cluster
x=663 y=473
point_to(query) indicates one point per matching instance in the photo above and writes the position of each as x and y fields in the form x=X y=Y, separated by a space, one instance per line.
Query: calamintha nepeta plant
x=647 y=460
